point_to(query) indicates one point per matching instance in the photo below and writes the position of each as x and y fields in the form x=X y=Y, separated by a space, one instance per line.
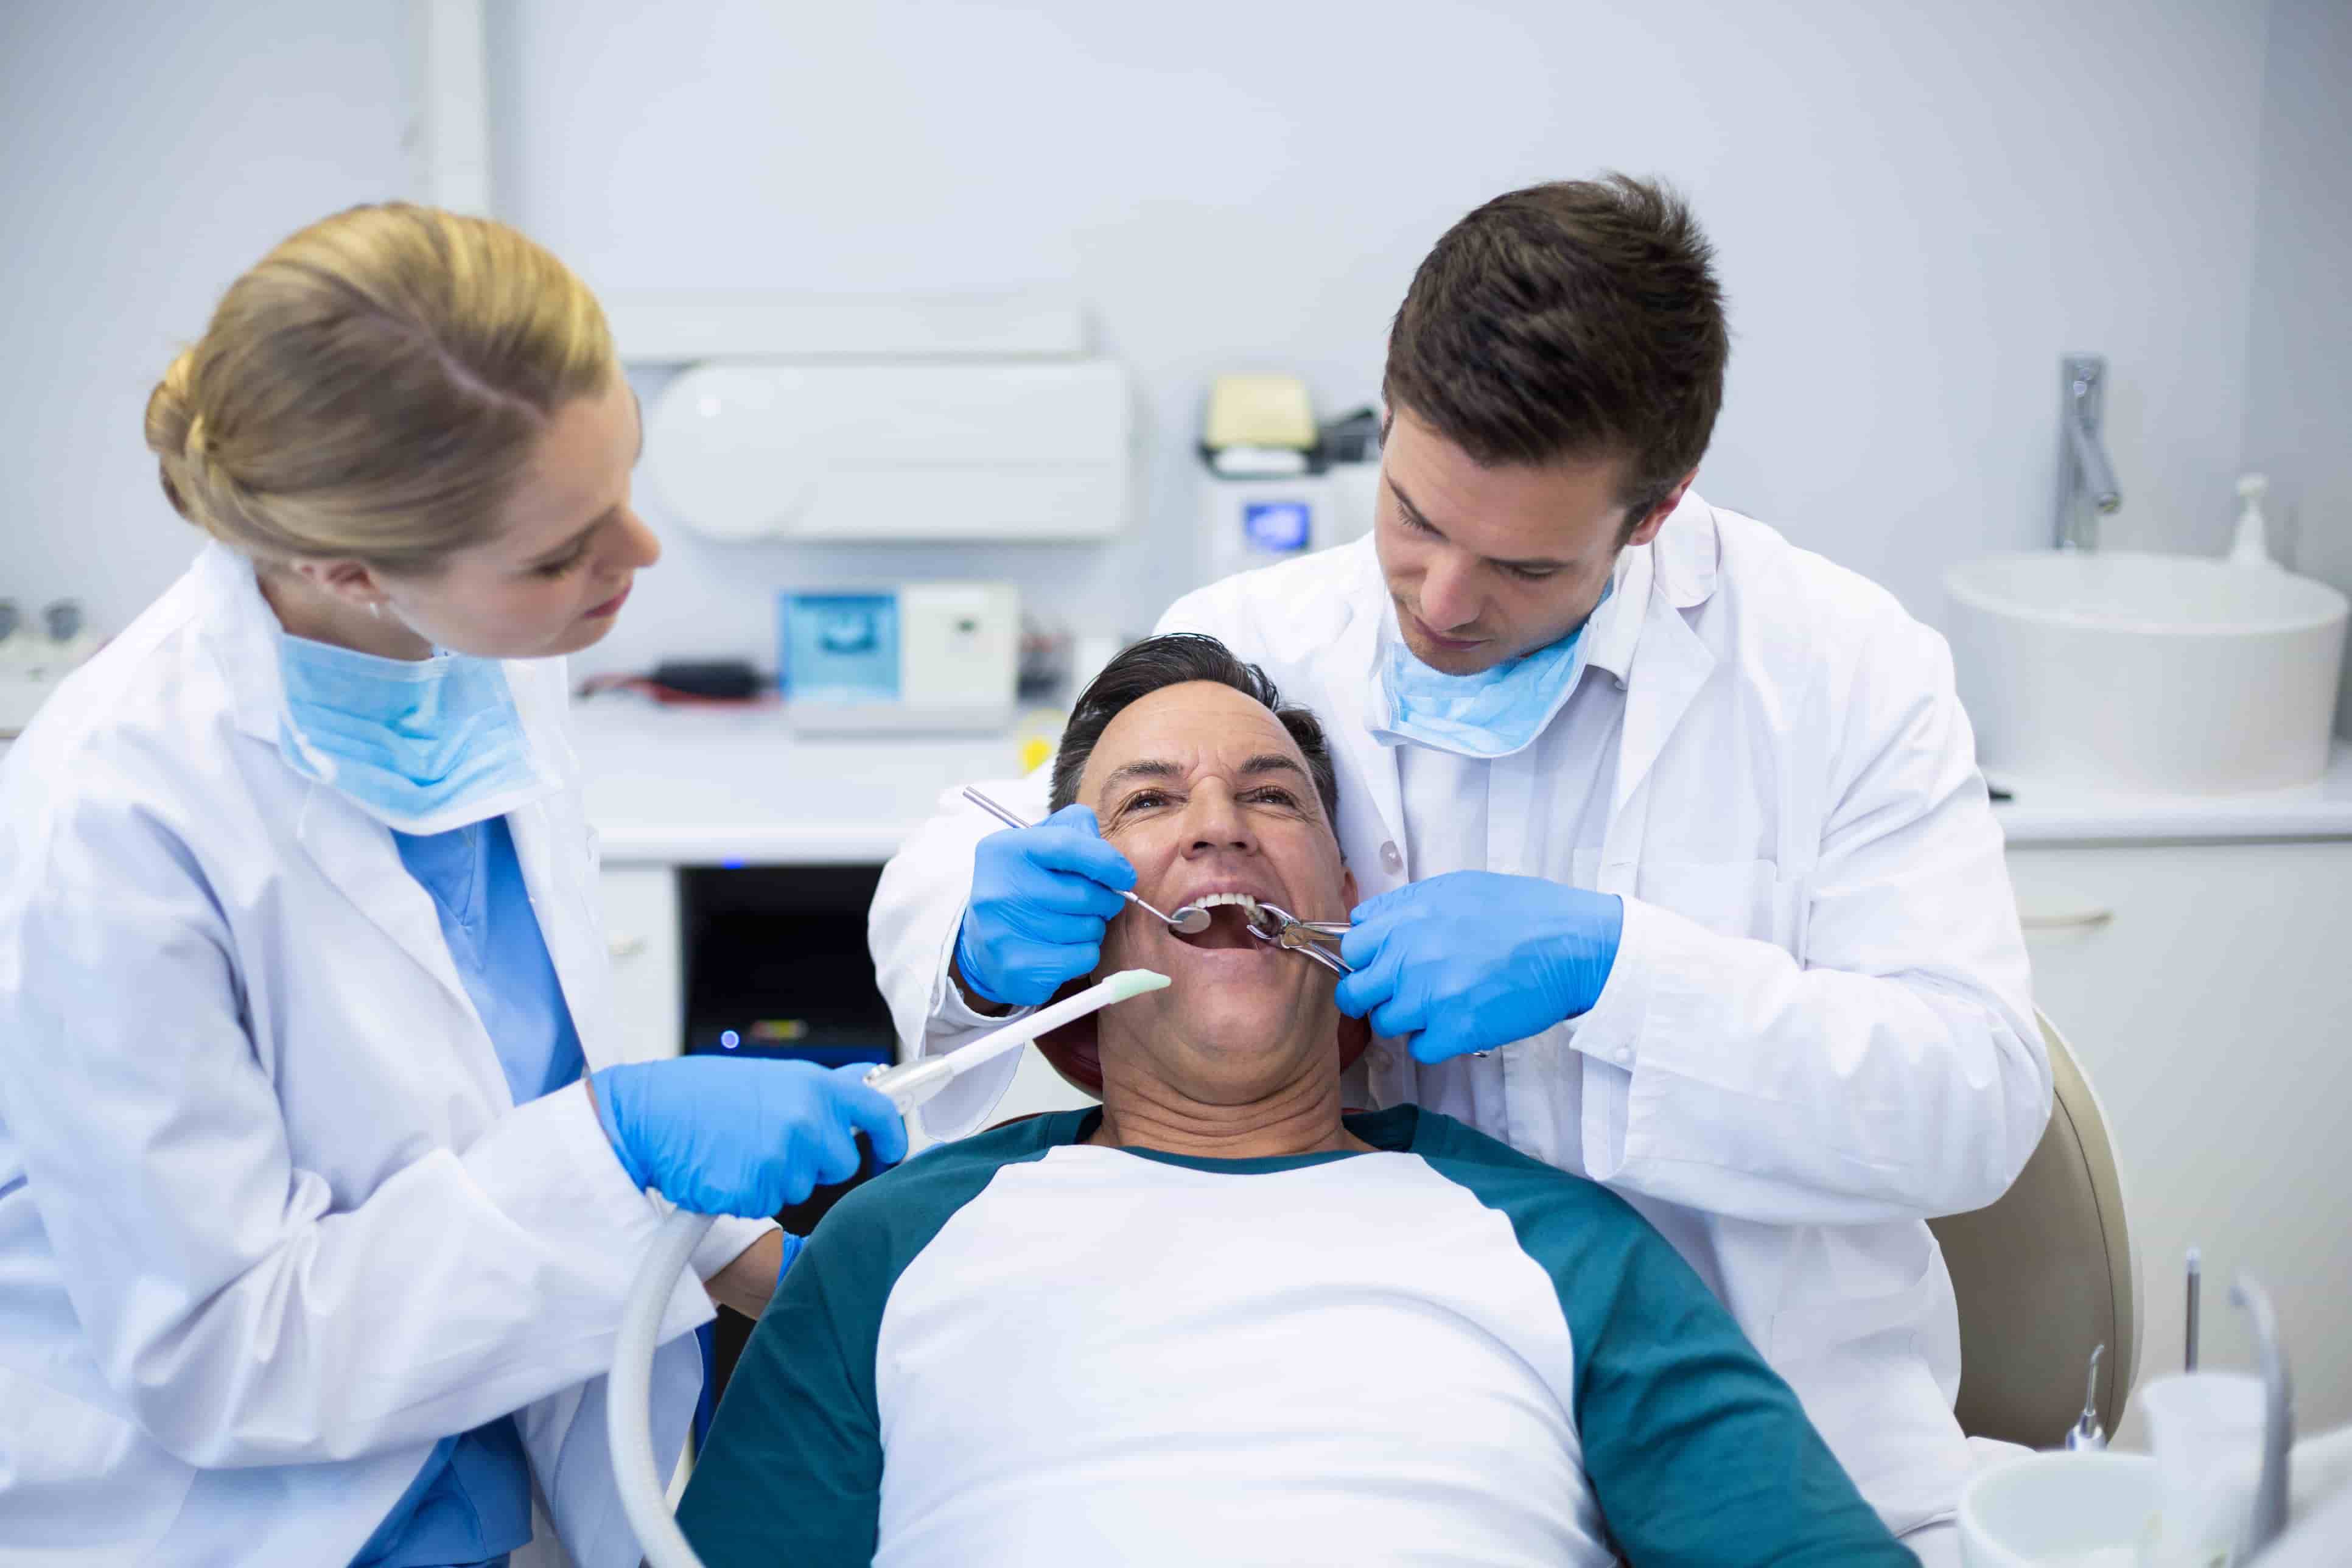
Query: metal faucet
x=2087 y=480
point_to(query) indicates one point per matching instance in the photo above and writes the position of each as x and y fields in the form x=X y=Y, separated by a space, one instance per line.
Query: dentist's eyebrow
x=1538 y=563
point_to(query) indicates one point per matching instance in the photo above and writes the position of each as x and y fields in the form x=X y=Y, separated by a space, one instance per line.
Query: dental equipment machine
x=1189 y=919
x=629 y=1426
x=916 y=657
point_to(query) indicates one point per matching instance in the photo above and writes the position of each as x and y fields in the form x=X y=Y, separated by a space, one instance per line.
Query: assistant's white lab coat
x=1818 y=1031
x=270 y=1223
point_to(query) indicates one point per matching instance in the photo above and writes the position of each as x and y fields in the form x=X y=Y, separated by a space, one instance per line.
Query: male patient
x=1219 y=1322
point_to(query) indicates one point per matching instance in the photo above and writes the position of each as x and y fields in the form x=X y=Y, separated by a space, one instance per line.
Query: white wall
x=2299 y=353
x=148 y=153
x=1918 y=207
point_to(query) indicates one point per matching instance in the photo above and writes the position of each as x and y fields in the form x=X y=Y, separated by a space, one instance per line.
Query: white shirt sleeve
x=1897 y=1071
x=918 y=911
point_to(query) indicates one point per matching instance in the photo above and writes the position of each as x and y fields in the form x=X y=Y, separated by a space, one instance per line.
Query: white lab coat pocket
x=83 y=1485
x=1857 y=1364
x=1729 y=898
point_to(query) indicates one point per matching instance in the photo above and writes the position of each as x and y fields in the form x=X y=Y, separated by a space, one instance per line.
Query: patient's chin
x=1238 y=1030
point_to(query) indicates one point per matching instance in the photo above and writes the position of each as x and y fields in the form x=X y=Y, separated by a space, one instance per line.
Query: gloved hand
x=1041 y=899
x=1472 y=959
x=720 y=1136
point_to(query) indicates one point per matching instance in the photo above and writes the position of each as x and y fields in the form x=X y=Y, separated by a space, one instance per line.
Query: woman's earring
x=376 y=608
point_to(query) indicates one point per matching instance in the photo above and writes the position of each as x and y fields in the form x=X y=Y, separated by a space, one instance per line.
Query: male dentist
x=1679 y=872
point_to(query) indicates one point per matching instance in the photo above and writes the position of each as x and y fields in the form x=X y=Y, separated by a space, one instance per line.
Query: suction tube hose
x=628 y=1404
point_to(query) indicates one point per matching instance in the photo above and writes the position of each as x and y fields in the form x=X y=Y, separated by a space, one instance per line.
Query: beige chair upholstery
x=2044 y=1274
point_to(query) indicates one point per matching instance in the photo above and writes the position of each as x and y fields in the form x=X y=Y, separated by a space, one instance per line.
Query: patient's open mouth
x=1229 y=916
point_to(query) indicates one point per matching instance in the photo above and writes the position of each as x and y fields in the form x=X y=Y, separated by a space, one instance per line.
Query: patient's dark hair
x=1173 y=660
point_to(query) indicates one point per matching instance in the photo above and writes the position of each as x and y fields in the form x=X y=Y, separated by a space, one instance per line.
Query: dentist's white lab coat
x=270 y=1223
x=1818 y=1031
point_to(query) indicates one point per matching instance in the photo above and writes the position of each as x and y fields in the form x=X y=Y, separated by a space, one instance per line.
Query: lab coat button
x=1625 y=1055
x=1392 y=858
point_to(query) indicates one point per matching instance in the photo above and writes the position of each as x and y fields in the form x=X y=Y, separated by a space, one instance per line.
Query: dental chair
x=2044 y=1273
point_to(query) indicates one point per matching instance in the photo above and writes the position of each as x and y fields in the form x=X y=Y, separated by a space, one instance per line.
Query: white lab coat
x=1818 y=1031
x=270 y=1223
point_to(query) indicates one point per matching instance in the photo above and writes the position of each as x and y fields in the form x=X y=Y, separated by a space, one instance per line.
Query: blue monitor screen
x=1281 y=526
x=841 y=648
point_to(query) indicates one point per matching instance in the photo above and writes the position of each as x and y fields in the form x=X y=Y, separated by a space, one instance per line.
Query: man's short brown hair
x=1577 y=318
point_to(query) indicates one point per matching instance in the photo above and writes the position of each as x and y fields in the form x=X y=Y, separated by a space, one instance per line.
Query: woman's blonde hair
x=373 y=388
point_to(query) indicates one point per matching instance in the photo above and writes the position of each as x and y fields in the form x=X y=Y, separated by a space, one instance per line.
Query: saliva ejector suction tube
x=644 y=1499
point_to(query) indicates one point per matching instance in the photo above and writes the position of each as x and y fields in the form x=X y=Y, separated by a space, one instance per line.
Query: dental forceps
x=1318 y=940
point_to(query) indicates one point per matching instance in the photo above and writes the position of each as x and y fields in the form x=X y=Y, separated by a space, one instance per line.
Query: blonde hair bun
x=373 y=386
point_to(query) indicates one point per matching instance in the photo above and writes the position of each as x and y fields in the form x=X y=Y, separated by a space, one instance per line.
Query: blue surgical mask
x=422 y=745
x=1490 y=714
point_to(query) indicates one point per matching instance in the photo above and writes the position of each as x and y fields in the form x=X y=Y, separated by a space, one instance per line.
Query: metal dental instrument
x=2196 y=1281
x=2278 y=1416
x=2087 y=1434
x=1189 y=919
x=1315 y=940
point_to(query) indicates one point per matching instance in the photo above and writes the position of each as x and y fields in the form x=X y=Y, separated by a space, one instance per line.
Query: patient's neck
x=1299 y=1115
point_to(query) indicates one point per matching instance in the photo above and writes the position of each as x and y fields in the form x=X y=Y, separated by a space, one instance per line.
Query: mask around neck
x=421 y=745
x=1493 y=713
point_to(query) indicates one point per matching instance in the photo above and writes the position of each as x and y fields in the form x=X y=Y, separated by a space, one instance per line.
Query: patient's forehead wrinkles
x=1164 y=770
x=1144 y=768
x=1182 y=732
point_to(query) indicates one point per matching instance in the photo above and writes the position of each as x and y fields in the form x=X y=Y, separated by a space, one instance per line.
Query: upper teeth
x=1218 y=901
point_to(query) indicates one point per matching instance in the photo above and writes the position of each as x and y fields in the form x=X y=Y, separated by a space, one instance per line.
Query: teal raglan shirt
x=1695 y=1451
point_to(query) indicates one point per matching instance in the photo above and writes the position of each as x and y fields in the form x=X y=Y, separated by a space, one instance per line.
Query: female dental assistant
x=313 y=1240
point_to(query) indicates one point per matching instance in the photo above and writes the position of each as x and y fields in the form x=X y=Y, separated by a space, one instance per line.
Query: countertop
x=2062 y=813
x=709 y=787
x=714 y=786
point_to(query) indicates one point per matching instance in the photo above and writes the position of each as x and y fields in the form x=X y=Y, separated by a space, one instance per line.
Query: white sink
x=2166 y=674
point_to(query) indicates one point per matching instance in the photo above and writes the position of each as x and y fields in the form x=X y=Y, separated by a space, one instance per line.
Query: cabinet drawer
x=641 y=934
x=2208 y=993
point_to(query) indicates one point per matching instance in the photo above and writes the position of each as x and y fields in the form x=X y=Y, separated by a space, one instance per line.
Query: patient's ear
x=1349 y=896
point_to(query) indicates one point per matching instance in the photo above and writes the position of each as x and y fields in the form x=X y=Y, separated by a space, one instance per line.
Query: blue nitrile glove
x=1472 y=959
x=1041 y=899
x=721 y=1136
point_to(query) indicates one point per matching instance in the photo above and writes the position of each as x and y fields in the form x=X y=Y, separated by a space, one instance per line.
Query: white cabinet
x=2207 y=989
x=642 y=930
